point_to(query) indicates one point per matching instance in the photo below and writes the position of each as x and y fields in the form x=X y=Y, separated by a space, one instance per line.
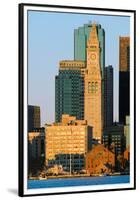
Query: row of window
x=92 y=87
x=53 y=153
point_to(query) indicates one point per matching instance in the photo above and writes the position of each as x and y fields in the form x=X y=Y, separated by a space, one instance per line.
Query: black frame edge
x=20 y=100
x=134 y=99
x=21 y=97
x=76 y=7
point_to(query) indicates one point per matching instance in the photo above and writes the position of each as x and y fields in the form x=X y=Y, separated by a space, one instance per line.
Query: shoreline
x=75 y=176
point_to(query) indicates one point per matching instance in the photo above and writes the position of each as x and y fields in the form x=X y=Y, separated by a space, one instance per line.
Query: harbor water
x=82 y=181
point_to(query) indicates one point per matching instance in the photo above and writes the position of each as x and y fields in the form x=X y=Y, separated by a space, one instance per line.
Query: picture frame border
x=21 y=96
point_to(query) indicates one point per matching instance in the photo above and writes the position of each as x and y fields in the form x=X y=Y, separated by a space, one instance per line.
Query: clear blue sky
x=51 y=39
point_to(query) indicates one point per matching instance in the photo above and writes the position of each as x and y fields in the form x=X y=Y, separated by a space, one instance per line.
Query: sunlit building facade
x=93 y=112
x=67 y=143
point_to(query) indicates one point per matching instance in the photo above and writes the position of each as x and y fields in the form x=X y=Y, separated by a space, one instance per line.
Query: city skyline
x=57 y=50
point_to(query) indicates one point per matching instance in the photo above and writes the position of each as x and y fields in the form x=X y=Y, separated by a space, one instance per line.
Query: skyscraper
x=81 y=36
x=124 y=54
x=69 y=90
x=79 y=86
x=33 y=117
x=93 y=85
x=124 y=78
x=108 y=96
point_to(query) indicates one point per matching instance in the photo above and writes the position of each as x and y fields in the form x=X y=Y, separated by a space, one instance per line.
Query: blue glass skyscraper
x=69 y=90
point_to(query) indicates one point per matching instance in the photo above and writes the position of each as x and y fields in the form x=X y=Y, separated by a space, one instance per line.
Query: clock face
x=93 y=56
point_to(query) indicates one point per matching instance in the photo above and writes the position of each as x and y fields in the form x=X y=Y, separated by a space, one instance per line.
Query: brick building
x=100 y=160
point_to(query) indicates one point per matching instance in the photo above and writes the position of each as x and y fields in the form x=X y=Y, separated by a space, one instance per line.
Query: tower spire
x=93 y=37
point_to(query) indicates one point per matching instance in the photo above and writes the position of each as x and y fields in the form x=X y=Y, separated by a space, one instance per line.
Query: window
x=89 y=87
x=92 y=87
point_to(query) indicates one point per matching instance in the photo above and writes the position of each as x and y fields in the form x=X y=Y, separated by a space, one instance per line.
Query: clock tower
x=93 y=91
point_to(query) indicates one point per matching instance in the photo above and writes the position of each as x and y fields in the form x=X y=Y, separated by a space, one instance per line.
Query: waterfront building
x=67 y=143
x=100 y=160
x=108 y=96
x=114 y=139
x=93 y=86
x=36 y=149
x=69 y=90
x=127 y=131
x=124 y=78
x=33 y=117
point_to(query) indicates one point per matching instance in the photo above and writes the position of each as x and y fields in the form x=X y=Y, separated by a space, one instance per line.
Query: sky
x=51 y=39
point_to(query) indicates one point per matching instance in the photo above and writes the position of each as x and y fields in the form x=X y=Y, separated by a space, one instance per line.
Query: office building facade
x=67 y=143
x=124 y=78
x=108 y=96
x=114 y=139
x=124 y=96
x=36 y=150
x=33 y=117
x=69 y=90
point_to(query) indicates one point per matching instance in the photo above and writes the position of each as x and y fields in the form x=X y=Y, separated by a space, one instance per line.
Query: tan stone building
x=93 y=91
x=100 y=160
x=67 y=143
